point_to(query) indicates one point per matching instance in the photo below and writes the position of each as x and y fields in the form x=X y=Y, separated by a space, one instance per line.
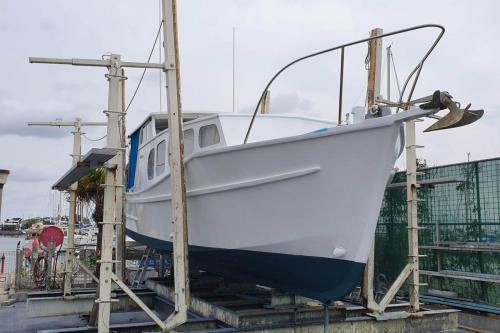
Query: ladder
x=143 y=266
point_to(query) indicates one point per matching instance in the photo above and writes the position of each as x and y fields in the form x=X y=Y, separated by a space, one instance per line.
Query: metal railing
x=416 y=71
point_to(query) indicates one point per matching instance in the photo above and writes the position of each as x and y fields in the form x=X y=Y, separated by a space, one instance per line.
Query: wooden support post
x=70 y=249
x=177 y=179
x=120 y=190
x=375 y=49
x=109 y=214
x=264 y=106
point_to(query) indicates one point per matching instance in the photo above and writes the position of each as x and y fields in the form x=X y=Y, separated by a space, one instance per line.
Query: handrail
x=416 y=70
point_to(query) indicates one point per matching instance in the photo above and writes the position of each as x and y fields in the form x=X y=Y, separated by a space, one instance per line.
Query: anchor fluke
x=457 y=117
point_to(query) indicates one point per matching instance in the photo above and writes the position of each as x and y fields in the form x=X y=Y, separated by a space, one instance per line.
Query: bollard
x=3 y=263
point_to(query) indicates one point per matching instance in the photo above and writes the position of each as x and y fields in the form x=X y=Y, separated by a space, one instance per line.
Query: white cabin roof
x=186 y=116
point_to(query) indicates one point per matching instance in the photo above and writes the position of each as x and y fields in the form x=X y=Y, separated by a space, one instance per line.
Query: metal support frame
x=114 y=180
x=388 y=69
x=76 y=156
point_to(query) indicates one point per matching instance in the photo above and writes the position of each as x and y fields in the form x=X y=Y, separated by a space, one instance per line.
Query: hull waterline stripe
x=324 y=279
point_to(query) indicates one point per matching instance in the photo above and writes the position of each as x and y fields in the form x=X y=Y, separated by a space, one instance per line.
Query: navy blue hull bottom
x=318 y=278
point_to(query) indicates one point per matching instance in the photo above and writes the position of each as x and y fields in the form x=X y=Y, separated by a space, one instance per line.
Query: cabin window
x=161 y=125
x=209 y=135
x=144 y=132
x=160 y=157
x=188 y=142
x=151 y=164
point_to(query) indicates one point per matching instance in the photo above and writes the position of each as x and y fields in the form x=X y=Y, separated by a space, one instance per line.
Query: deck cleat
x=457 y=117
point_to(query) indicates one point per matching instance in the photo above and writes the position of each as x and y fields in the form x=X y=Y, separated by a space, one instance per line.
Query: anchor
x=456 y=117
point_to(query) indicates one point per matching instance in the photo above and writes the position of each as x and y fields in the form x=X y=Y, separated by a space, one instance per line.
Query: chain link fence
x=463 y=214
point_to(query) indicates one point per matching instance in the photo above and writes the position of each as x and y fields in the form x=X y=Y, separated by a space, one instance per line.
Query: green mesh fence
x=466 y=211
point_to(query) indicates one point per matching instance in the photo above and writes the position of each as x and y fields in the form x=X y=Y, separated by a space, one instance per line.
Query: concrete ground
x=14 y=319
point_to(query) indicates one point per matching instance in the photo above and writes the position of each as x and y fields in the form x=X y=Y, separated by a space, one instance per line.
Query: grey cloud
x=283 y=103
x=16 y=114
x=27 y=175
x=19 y=127
x=289 y=103
x=47 y=25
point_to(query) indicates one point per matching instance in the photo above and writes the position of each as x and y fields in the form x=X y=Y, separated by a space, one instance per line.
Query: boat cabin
x=149 y=148
x=148 y=160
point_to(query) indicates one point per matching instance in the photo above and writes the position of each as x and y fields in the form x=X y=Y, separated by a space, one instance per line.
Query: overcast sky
x=269 y=33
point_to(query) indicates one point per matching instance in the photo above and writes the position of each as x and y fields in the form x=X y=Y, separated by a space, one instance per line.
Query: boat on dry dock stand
x=293 y=205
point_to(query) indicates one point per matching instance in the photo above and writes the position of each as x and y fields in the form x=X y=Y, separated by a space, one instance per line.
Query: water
x=9 y=243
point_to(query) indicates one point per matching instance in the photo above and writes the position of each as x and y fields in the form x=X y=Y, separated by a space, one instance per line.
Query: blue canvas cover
x=134 y=147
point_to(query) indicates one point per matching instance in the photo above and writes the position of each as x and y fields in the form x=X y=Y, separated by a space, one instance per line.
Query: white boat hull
x=296 y=213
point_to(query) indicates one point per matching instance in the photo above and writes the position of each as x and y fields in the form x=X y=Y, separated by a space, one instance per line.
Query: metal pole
x=411 y=193
x=70 y=249
x=109 y=216
x=161 y=266
x=341 y=88
x=326 y=322
x=1 y=193
x=388 y=56
x=177 y=180
x=234 y=68
x=19 y=267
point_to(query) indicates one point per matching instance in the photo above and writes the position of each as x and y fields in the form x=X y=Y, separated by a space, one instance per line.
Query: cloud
x=16 y=114
x=19 y=127
x=27 y=175
x=289 y=103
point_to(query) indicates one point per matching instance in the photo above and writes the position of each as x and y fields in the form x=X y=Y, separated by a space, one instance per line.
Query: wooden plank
x=430 y=182
x=464 y=275
x=452 y=246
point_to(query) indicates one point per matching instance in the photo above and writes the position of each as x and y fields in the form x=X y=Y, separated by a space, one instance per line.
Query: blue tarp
x=134 y=147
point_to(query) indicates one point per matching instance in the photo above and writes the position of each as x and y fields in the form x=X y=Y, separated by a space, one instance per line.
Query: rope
x=105 y=135
x=395 y=73
x=99 y=139
x=144 y=72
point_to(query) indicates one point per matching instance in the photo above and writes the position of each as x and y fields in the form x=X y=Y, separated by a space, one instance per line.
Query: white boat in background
x=294 y=208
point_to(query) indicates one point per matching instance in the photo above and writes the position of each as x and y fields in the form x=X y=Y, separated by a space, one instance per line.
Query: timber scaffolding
x=221 y=305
